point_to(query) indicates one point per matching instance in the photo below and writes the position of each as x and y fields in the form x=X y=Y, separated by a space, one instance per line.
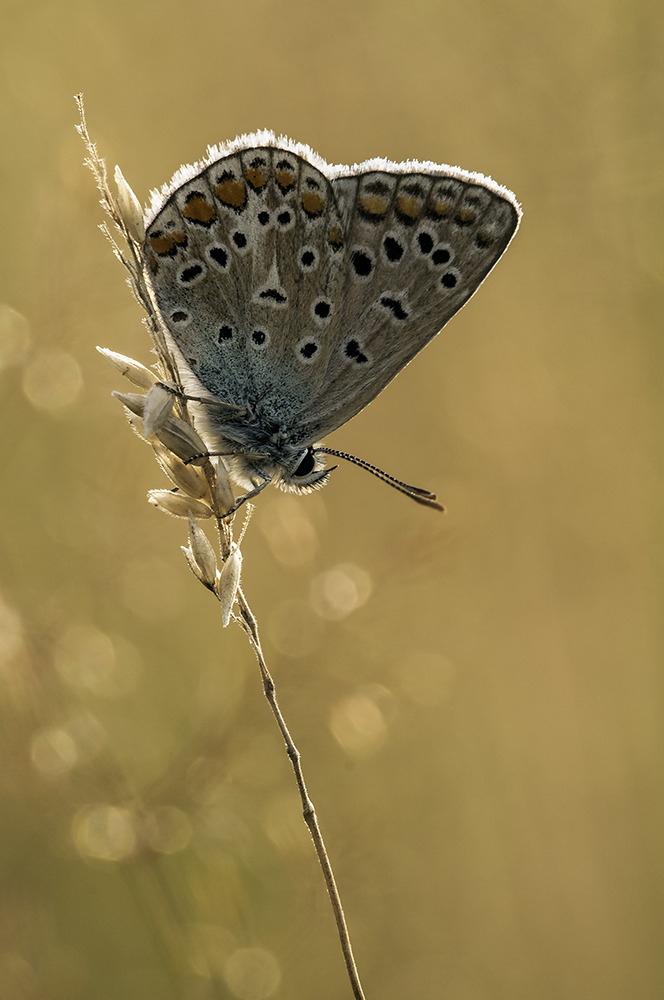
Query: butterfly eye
x=307 y=465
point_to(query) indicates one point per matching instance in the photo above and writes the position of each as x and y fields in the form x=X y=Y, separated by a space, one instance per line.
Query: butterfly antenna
x=419 y=496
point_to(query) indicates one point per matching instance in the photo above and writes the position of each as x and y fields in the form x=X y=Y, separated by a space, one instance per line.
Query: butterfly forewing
x=246 y=261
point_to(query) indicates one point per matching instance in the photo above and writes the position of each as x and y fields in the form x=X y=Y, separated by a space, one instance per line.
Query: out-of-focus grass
x=482 y=728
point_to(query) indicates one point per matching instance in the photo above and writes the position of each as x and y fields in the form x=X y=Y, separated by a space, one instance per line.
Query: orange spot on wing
x=374 y=204
x=465 y=216
x=231 y=192
x=313 y=203
x=335 y=238
x=257 y=177
x=285 y=178
x=441 y=208
x=408 y=206
x=199 y=209
x=162 y=243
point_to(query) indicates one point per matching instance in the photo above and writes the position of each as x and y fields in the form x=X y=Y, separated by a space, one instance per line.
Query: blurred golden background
x=477 y=697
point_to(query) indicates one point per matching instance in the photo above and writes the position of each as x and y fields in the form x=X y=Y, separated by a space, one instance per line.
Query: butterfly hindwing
x=419 y=245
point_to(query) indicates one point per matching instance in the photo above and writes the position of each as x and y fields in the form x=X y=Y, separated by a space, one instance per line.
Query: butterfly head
x=295 y=471
x=309 y=473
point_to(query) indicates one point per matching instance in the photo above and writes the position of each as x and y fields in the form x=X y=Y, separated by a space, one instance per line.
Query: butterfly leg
x=248 y=496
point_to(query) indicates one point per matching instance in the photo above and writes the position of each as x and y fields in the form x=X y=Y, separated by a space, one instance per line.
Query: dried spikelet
x=158 y=406
x=178 y=504
x=229 y=583
x=175 y=434
x=188 y=478
x=134 y=401
x=203 y=554
x=181 y=438
x=191 y=562
x=129 y=209
x=132 y=370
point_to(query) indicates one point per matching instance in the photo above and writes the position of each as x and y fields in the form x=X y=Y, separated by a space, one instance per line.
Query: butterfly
x=293 y=291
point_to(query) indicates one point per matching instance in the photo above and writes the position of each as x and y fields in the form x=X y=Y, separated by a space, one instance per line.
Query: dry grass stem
x=202 y=488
